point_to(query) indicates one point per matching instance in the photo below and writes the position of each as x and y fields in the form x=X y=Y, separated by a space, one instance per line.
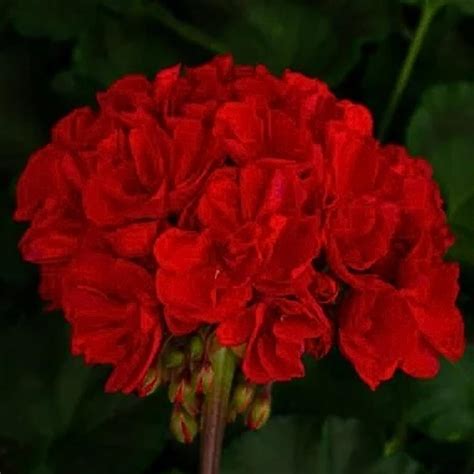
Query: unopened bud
x=203 y=379
x=196 y=347
x=183 y=426
x=150 y=382
x=258 y=412
x=242 y=397
x=176 y=390
x=182 y=393
x=173 y=359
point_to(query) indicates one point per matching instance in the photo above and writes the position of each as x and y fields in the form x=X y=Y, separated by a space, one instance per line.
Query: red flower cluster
x=223 y=195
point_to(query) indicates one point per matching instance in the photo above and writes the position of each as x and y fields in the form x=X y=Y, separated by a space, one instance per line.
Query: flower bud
x=196 y=347
x=203 y=379
x=242 y=397
x=183 y=426
x=258 y=412
x=150 y=382
x=176 y=390
x=173 y=359
x=182 y=393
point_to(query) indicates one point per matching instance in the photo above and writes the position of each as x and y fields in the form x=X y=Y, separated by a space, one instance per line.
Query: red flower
x=361 y=220
x=147 y=172
x=430 y=288
x=255 y=241
x=406 y=325
x=114 y=315
x=378 y=334
x=190 y=284
x=262 y=206
x=277 y=332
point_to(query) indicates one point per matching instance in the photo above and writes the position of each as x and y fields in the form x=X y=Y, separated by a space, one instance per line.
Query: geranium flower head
x=223 y=200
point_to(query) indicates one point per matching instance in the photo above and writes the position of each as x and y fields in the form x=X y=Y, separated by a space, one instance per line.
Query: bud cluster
x=184 y=366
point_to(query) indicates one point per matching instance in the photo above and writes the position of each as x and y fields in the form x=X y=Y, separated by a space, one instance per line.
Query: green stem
x=215 y=410
x=429 y=10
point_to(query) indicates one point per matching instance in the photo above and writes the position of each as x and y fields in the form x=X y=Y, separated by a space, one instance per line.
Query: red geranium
x=223 y=196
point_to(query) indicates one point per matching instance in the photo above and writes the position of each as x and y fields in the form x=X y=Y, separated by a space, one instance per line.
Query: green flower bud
x=242 y=397
x=258 y=412
x=202 y=380
x=183 y=426
x=196 y=348
x=173 y=359
x=150 y=382
x=181 y=392
x=176 y=390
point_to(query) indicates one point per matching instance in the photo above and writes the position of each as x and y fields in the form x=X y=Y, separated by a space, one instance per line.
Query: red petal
x=236 y=329
x=134 y=240
x=180 y=251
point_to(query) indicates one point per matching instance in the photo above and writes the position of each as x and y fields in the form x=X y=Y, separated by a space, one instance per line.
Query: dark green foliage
x=55 y=54
x=300 y=445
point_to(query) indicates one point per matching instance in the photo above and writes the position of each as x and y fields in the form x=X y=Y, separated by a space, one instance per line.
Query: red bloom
x=114 y=315
x=223 y=195
x=190 y=284
x=361 y=219
x=255 y=246
x=277 y=331
x=406 y=324
x=378 y=334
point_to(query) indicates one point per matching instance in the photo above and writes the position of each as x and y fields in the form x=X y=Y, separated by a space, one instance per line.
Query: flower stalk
x=214 y=417
x=427 y=14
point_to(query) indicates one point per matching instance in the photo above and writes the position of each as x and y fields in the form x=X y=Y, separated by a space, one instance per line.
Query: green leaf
x=28 y=368
x=324 y=388
x=20 y=123
x=444 y=407
x=41 y=469
x=399 y=463
x=299 y=445
x=322 y=39
x=113 y=48
x=441 y=130
x=274 y=33
x=124 y=442
x=466 y=6
x=344 y=448
x=55 y=406
x=286 y=445
x=61 y=20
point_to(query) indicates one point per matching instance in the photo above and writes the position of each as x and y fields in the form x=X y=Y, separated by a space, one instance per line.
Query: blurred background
x=55 y=55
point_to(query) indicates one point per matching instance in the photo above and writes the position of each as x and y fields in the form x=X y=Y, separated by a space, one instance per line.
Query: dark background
x=55 y=54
